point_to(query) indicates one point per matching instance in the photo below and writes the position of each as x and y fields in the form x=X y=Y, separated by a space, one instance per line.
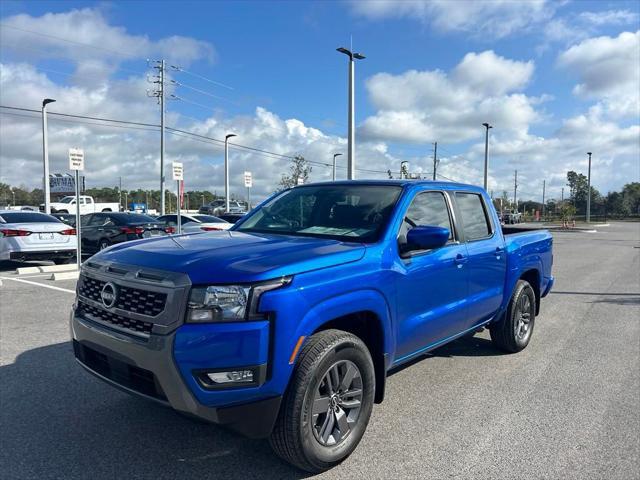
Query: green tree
x=299 y=171
x=631 y=198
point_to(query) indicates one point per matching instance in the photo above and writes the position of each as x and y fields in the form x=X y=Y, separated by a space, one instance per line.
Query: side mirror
x=427 y=237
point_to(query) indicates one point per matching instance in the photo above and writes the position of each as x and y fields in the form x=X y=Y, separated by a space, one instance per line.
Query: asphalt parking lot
x=566 y=407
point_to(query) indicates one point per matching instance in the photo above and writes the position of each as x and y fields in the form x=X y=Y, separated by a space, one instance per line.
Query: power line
x=180 y=69
x=80 y=116
x=81 y=121
x=184 y=132
x=180 y=84
x=75 y=42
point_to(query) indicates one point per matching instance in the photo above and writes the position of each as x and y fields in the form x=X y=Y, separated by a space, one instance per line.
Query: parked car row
x=26 y=235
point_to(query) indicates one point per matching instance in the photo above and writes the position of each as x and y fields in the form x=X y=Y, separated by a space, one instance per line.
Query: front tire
x=103 y=244
x=327 y=406
x=513 y=331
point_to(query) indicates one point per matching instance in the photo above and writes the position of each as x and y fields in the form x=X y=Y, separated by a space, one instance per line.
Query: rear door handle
x=460 y=260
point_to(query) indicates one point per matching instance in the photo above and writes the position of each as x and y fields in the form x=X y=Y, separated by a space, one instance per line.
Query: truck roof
x=401 y=183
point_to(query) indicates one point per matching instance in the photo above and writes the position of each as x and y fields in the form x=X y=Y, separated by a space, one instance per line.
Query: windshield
x=345 y=212
x=67 y=200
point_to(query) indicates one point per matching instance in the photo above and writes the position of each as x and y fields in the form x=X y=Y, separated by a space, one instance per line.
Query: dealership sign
x=60 y=183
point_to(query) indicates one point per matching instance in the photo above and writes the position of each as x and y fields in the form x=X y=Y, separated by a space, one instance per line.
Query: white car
x=87 y=205
x=35 y=236
x=195 y=223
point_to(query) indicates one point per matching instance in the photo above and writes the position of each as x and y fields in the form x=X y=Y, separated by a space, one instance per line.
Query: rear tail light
x=70 y=231
x=208 y=229
x=133 y=230
x=170 y=230
x=7 y=232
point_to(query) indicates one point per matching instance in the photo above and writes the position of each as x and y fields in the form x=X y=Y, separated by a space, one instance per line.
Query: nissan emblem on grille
x=109 y=294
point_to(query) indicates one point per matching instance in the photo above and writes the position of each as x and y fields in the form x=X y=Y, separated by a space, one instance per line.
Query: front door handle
x=498 y=252
x=460 y=260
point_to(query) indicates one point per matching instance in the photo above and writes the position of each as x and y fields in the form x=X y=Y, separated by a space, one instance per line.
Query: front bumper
x=161 y=368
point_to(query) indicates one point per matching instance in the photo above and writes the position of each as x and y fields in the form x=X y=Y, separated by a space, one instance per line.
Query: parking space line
x=38 y=284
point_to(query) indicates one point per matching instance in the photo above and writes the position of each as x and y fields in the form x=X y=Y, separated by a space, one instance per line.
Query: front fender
x=349 y=303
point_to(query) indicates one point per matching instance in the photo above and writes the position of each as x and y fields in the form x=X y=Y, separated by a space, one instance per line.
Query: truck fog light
x=233 y=376
x=201 y=315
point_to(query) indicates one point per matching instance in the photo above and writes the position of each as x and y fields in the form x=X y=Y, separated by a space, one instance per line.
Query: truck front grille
x=135 y=300
x=93 y=313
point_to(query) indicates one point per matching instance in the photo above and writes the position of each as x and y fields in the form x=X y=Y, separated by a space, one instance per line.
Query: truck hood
x=234 y=257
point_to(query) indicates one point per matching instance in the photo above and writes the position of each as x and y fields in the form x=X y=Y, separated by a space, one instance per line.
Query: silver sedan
x=35 y=236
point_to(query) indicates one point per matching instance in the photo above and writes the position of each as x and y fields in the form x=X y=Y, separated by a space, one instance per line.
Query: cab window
x=427 y=208
x=475 y=221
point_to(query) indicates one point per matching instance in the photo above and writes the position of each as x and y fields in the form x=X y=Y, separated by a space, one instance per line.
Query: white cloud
x=609 y=70
x=85 y=35
x=426 y=106
x=609 y=17
x=481 y=18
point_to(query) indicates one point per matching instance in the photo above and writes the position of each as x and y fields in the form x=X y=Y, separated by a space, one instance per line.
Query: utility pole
x=334 y=165
x=486 y=153
x=45 y=158
x=226 y=170
x=544 y=184
x=351 y=156
x=562 y=195
x=515 y=191
x=589 y=190
x=160 y=95
x=435 y=159
x=120 y=193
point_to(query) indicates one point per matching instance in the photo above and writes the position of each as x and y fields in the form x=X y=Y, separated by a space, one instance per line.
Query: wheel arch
x=532 y=276
x=368 y=326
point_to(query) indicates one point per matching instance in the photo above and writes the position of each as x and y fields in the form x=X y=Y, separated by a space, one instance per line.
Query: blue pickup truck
x=286 y=325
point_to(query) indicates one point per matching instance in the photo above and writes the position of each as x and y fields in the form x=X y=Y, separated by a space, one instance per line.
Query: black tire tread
x=502 y=331
x=284 y=437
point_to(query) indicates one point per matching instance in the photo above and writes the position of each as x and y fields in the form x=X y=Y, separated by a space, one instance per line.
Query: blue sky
x=280 y=56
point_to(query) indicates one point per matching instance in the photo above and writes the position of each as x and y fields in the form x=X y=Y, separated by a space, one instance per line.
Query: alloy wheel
x=336 y=403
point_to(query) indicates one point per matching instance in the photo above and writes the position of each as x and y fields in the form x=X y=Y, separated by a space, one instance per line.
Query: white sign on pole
x=177 y=171
x=248 y=180
x=76 y=159
x=300 y=181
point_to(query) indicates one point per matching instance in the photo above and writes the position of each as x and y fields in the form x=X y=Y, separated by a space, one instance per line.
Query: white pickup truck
x=87 y=205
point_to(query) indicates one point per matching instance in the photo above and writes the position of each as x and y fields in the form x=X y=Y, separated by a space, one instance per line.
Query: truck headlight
x=228 y=303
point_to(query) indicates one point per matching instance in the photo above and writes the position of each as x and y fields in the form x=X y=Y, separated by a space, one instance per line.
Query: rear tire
x=513 y=331
x=103 y=244
x=319 y=424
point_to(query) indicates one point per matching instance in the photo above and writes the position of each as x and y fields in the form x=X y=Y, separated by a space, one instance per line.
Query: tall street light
x=351 y=160
x=334 y=165
x=589 y=190
x=486 y=153
x=45 y=155
x=226 y=170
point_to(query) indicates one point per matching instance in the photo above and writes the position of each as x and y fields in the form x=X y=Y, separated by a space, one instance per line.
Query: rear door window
x=475 y=221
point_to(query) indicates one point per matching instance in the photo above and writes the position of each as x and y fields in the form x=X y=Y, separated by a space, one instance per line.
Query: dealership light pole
x=45 y=155
x=351 y=157
x=226 y=170
x=589 y=190
x=486 y=153
x=334 y=165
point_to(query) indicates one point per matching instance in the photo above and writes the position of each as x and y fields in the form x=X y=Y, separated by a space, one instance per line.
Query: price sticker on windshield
x=178 y=171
